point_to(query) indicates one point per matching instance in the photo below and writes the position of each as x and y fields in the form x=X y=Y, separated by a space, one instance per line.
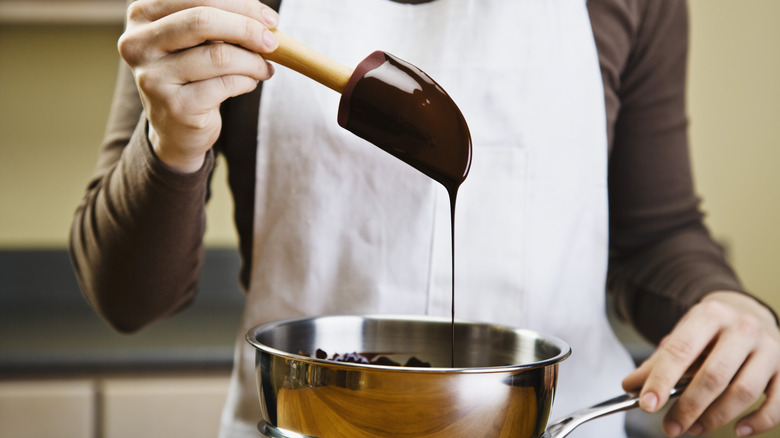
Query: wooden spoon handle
x=296 y=56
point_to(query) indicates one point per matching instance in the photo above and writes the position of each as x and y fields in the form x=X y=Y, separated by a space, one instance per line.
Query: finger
x=190 y=28
x=636 y=378
x=648 y=401
x=213 y=91
x=214 y=60
x=191 y=116
x=196 y=26
x=678 y=352
x=745 y=390
x=729 y=353
x=166 y=82
x=682 y=348
x=766 y=417
x=153 y=10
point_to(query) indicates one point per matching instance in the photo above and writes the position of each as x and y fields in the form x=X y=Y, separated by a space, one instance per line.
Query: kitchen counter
x=47 y=328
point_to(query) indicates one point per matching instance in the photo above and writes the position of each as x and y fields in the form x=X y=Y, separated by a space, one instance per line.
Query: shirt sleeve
x=136 y=240
x=662 y=259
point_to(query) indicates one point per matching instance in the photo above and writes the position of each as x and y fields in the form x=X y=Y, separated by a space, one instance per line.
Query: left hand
x=730 y=344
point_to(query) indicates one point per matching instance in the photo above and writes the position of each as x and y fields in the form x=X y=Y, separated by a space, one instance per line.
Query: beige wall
x=735 y=109
x=55 y=90
x=55 y=86
x=735 y=131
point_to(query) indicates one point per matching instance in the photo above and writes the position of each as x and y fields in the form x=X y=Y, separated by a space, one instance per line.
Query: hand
x=730 y=344
x=188 y=56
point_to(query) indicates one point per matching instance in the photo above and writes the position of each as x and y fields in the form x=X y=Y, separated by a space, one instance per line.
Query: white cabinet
x=47 y=408
x=113 y=407
x=163 y=407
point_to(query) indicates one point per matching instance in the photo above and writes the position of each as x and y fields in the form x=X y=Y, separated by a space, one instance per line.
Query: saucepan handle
x=630 y=400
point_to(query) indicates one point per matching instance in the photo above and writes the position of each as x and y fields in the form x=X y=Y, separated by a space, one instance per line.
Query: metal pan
x=502 y=383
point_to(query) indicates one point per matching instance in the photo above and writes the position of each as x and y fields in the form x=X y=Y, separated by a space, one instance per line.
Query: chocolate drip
x=399 y=108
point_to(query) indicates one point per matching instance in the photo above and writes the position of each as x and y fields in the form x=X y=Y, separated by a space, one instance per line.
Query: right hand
x=187 y=57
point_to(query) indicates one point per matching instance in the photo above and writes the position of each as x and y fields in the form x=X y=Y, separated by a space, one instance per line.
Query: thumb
x=648 y=400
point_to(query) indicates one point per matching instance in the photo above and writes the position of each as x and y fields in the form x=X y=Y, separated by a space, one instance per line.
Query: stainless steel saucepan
x=501 y=385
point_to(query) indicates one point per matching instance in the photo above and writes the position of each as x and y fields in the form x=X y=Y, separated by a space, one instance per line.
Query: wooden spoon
x=392 y=104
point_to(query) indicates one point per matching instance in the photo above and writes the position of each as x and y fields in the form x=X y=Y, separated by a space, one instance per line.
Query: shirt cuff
x=162 y=172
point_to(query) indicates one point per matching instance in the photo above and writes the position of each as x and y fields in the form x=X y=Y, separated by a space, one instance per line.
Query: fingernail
x=649 y=402
x=269 y=39
x=673 y=429
x=744 y=430
x=271 y=17
x=696 y=429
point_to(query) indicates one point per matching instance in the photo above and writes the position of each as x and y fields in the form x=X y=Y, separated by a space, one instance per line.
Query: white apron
x=343 y=227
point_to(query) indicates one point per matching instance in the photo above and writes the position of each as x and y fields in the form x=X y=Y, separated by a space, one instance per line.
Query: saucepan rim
x=562 y=346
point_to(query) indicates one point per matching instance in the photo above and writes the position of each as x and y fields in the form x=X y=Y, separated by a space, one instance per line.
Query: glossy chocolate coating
x=399 y=108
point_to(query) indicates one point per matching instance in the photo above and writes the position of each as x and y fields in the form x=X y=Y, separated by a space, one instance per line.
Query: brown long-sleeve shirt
x=137 y=236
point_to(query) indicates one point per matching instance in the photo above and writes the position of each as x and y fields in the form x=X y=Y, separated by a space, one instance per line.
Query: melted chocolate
x=367 y=359
x=399 y=108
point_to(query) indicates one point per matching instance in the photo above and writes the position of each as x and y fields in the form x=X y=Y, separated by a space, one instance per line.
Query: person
x=555 y=207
